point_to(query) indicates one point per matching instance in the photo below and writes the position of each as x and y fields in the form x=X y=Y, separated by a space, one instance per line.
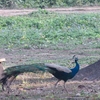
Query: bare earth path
x=13 y=12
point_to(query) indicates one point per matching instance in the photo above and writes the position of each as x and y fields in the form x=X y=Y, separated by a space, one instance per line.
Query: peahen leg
x=3 y=87
x=9 y=83
x=3 y=84
x=65 y=87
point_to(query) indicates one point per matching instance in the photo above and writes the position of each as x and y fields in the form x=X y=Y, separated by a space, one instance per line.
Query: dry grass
x=39 y=87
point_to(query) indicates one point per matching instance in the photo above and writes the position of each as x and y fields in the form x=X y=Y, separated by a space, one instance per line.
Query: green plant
x=46 y=3
x=44 y=29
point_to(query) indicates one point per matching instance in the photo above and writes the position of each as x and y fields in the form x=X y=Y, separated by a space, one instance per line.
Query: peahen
x=60 y=72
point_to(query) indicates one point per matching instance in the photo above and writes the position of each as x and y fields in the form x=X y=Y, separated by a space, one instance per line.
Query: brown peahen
x=1 y=68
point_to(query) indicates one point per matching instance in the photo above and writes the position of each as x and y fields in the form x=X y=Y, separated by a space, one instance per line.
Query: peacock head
x=75 y=58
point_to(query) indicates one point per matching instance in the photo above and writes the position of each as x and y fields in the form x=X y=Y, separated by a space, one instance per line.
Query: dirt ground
x=40 y=86
x=13 y=12
x=30 y=86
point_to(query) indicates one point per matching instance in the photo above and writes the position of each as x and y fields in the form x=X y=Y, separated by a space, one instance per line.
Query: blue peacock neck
x=75 y=69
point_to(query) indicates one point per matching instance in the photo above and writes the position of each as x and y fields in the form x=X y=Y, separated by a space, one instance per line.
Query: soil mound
x=91 y=72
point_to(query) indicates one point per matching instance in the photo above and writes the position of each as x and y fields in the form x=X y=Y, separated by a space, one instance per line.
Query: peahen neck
x=75 y=69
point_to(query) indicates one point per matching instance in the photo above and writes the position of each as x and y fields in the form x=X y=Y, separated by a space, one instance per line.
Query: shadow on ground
x=91 y=72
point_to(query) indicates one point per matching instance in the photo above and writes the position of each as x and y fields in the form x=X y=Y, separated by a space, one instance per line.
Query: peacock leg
x=65 y=87
x=57 y=83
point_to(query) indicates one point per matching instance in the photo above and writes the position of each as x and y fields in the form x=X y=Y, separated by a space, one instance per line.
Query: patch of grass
x=45 y=29
x=88 y=60
x=12 y=97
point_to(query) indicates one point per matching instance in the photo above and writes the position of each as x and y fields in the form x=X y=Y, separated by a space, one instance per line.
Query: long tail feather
x=16 y=70
x=10 y=73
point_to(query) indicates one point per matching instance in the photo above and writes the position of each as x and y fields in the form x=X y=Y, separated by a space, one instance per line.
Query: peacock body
x=60 y=72
x=63 y=73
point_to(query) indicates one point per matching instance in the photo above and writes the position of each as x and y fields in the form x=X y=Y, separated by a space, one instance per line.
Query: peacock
x=60 y=72
x=63 y=73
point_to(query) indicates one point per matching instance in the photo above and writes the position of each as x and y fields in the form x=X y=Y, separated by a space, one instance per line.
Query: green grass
x=45 y=29
x=57 y=31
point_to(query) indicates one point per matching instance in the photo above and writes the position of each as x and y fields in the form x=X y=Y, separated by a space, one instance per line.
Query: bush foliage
x=43 y=28
x=46 y=3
